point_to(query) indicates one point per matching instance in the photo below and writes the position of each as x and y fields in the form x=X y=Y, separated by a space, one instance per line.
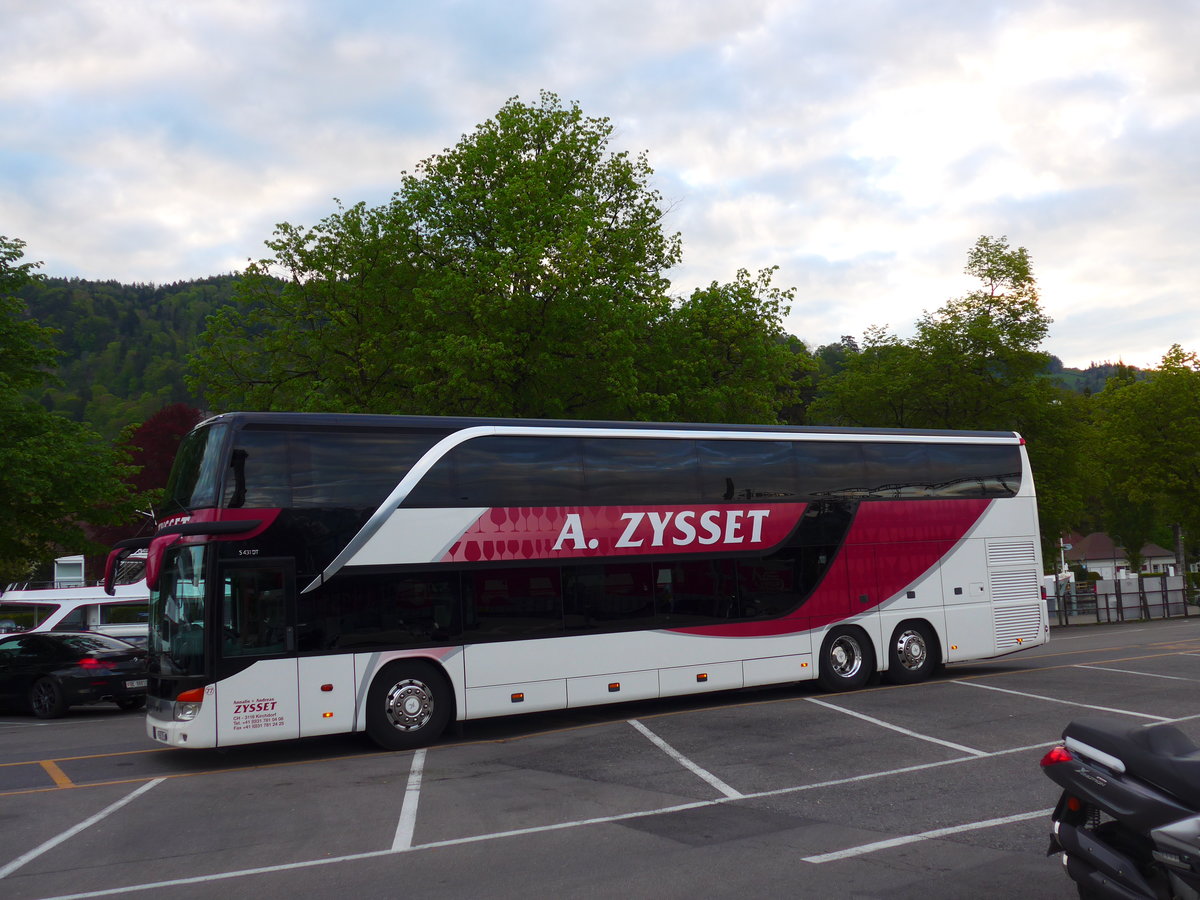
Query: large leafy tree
x=974 y=363
x=1146 y=455
x=54 y=474
x=521 y=272
x=721 y=355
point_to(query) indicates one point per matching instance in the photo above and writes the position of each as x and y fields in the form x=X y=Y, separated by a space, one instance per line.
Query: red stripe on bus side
x=890 y=545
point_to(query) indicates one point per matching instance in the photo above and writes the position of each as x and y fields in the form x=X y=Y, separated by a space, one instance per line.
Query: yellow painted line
x=58 y=775
x=93 y=756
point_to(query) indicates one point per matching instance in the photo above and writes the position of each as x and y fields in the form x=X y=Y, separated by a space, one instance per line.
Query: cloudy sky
x=861 y=145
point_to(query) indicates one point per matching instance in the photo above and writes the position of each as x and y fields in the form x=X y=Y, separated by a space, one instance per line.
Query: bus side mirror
x=121 y=549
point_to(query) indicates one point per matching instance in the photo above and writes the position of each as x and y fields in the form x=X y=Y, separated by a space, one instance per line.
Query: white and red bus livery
x=317 y=574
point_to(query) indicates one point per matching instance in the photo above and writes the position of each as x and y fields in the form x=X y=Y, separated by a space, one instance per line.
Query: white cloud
x=862 y=147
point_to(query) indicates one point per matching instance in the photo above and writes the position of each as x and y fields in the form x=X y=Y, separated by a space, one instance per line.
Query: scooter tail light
x=1059 y=754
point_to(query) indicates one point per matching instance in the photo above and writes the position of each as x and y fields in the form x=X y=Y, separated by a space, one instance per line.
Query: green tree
x=975 y=363
x=520 y=273
x=727 y=356
x=54 y=473
x=1147 y=449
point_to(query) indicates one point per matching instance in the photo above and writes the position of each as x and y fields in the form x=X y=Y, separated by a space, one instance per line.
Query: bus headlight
x=185 y=712
x=187 y=704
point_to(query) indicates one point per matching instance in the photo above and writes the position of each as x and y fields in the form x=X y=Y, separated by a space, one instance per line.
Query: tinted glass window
x=631 y=470
x=196 y=472
x=254 y=612
x=352 y=470
x=505 y=471
x=897 y=471
x=512 y=603
x=610 y=597
x=746 y=470
x=331 y=469
x=830 y=468
x=695 y=592
x=260 y=471
x=768 y=587
x=974 y=470
x=368 y=611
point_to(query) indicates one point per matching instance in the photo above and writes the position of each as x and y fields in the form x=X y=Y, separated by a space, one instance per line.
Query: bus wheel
x=408 y=706
x=844 y=663
x=912 y=653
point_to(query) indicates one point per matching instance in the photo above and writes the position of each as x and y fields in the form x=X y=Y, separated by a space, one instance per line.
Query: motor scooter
x=1128 y=821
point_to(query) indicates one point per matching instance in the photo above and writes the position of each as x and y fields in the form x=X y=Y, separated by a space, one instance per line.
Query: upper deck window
x=281 y=469
x=524 y=471
x=196 y=474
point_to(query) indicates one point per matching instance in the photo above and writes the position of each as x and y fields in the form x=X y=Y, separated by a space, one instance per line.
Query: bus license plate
x=160 y=734
x=136 y=683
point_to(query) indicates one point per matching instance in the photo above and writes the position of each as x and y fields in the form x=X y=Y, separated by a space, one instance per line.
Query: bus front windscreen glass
x=195 y=476
x=177 y=614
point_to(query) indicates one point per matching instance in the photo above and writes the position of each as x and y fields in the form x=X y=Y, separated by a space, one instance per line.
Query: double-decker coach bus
x=317 y=573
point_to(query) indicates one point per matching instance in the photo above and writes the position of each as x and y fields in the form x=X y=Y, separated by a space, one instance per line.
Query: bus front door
x=256 y=656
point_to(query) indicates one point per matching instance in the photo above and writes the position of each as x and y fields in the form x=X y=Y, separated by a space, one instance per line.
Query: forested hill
x=124 y=346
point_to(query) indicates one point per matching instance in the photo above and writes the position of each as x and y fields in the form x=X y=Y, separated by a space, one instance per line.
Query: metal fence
x=1123 y=600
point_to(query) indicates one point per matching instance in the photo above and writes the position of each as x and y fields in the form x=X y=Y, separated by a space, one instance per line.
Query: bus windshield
x=177 y=614
x=195 y=477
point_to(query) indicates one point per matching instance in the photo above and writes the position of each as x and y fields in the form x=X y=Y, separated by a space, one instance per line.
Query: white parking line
x=883 y=724
x=1121 y=712
x=71 y=832
x=408 y=810
x=924 y=836
x=1132 y=672
x=684 y=761
x=539 y=829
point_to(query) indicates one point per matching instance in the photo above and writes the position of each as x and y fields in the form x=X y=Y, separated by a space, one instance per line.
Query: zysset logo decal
x=561 y=532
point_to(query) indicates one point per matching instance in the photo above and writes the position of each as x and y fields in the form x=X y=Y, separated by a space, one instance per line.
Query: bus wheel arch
x=913 y=652
x=409 y=704
x=847 y=659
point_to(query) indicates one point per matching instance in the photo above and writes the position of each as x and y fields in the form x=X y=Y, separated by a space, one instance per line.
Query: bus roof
x=456 y=423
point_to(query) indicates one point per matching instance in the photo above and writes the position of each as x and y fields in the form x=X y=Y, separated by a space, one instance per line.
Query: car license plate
x=160 y=734
x=136 y=683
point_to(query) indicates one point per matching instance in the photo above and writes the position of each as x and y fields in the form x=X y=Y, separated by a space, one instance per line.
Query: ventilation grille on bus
x=1011 y=553
x=1015 y=586
x=1017 y=624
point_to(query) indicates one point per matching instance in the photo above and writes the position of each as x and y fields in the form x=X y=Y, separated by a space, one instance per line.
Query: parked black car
x=47 y=672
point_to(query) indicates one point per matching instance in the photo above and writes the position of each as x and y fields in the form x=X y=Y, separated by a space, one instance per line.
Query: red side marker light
x=702 y=677
x=327 y=688
x=518 y=698
x=614 y=687
x=1059 y=754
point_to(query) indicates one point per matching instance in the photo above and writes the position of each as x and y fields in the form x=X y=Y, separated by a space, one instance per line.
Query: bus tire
x=408 y=706
x=912 y=653
x=846 y=660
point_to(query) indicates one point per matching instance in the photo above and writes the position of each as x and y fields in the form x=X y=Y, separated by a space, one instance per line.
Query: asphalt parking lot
x=929 y=791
